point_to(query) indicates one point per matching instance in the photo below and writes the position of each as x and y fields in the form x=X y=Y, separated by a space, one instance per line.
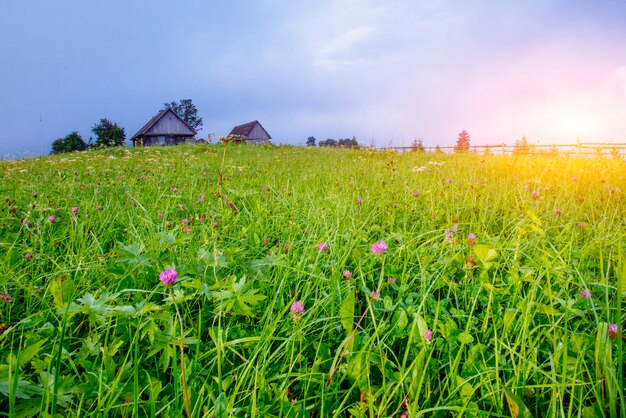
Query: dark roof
x=244 y=130
x=154 y=120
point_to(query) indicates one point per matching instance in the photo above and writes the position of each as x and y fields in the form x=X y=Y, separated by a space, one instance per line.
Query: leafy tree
x=521 y=146
x=72 y=142
x=343 y=142
x=187 y=111
x=310 y=142
x=328 y=143
x=348 y=143
x=463 y=143
x=418 y=146
x=108 y=134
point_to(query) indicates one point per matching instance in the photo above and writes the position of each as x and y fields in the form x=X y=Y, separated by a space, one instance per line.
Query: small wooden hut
x=253 y=132
x=166 y=128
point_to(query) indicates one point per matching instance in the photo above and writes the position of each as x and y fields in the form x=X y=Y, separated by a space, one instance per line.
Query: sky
x=384 y=71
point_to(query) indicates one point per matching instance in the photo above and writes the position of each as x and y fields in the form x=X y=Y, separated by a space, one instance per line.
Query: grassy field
x=300 y=282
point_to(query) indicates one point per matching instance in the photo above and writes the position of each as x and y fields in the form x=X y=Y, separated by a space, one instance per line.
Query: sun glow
x=568 y=120
x=575 y=124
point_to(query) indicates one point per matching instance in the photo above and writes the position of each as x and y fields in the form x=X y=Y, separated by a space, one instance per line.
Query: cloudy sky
x=385 y=71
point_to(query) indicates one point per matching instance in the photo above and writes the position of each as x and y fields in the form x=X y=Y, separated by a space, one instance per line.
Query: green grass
x=91 y=331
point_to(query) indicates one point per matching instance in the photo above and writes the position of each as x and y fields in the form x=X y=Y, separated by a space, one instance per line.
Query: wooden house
x=253 y=132
x=166 y=128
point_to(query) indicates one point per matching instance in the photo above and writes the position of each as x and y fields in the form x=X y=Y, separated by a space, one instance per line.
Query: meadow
x=234 y=280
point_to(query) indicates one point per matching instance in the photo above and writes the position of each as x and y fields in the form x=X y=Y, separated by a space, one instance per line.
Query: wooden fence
x=599 y=149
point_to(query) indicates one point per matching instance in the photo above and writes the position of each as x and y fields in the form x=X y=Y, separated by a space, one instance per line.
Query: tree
x=418 y=146
x=108 y=134
x=187 y=111
x=521 y=146
x=72 y=142
x=310 y=142
x=463 y=143
x=348 y=143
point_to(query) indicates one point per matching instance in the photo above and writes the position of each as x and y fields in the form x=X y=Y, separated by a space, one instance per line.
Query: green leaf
x=464 y=387
x=346 y=312
x=132 y=254
x=239 y=299
x=358 y=367
x=388 y=303
x=30 y=351
x=465 y=338
x=516 y=405
x=590 y=412
x=547 y=310
x=221 y=405
x=24 y=388
x=485 y=253
x=422 y=326
x=167 y=238
x=403 y=320
x=61 y=290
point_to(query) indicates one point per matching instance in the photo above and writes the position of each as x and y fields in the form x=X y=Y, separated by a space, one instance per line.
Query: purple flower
x=5 y=297
x=347 y=274
x=586 y=294
x=471 y=239
x=613 y=330
x=359 y=201
x=391 y=279
x=379 y=247
x=28 y=256
x=52 y=219
x=168 y=276
x=449 y=234
x=159 y=215
x=98 y=207
x=428 y=335
x=34 y=194
x=534 y=195
x=557 y=212
x=25 y=222
x=375 y=294
x=75 y=210
x=297 y=309
x=184 y=221
x=416 y=193
x=322 y=246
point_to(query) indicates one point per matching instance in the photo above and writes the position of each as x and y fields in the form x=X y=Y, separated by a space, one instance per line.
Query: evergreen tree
x=463 y=143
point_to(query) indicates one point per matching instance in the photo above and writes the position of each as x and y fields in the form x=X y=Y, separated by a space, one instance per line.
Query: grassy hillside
x=500 y=291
